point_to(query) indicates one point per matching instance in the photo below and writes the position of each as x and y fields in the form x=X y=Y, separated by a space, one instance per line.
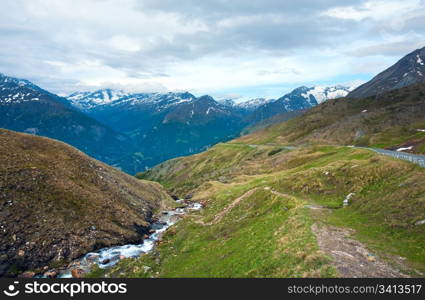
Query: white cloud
x=124 y=43
x=375 y=9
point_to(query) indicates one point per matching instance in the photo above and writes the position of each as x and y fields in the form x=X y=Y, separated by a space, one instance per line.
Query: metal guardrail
x=413 y=158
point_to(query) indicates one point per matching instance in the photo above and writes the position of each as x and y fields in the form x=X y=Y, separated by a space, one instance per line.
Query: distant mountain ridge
x=248 y=105
x=297 y=100
x=110 y=97
x=407 y=71
x=134 y=131
x=26 y=107
x=166 y=125
x=88 y=100
x=104 y=97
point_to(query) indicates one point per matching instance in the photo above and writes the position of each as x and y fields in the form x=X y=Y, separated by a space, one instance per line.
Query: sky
x=229 y=49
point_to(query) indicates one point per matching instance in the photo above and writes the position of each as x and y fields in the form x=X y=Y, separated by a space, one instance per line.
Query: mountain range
x=26 y=107
x=312 y=196
x=135 y=131
x=168 y=125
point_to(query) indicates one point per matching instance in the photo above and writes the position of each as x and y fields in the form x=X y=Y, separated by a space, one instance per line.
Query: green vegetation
x=268 y=233
x=264 y=236
x=261 y=198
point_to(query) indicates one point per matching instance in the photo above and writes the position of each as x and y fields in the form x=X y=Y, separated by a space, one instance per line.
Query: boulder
x=27 y=274
x=51 y=274
x=77 y=273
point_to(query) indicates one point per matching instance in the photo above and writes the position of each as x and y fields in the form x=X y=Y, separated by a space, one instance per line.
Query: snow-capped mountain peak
x=323 y=93
x=253 y=103
x=108 y=97
x=226 y=102
x=419 y=60
x=16 y=90
x=407 y=71
x=87 y=100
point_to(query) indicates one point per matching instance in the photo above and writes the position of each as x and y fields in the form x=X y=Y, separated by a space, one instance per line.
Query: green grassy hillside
x=257 y=220
x=274 y=210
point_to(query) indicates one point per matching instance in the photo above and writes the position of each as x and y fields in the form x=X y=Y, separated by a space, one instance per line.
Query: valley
x=164 y=126
x=262 y=209
x=136 y=131
x=321 y=182
x=297 y=199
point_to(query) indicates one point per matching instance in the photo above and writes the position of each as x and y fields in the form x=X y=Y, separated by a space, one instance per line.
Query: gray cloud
x=65 y=45
x=390 y=49
x=251 y=25
x=218 y=9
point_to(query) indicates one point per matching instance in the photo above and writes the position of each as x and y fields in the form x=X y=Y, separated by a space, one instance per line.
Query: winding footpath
x=222 y=213
x=350 y=257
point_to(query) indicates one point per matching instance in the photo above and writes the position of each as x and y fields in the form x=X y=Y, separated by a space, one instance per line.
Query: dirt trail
x=350 y=257
x=280 y=194
x=222 y=213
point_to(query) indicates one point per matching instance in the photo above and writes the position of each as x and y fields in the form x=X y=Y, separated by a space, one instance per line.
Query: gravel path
x=350 y=257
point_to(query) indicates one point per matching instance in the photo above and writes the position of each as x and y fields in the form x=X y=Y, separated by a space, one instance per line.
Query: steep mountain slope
x=282 y=117
x=27 y=108
x=190 y=128
x=408 y=70
x=391 y=120
x=56 y=204
x=131 y=112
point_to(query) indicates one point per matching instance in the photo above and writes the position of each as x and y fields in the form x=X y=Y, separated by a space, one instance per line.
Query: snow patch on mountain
x=253 y=103
x=15 y=90
x=323 y=93
x=109 y=97
x=419 y=60
x=87 y=100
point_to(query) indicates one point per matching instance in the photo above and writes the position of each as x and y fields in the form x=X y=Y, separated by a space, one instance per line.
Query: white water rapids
x=108 y=257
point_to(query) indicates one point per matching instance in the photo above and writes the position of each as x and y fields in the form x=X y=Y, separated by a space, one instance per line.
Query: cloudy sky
x=225 y=48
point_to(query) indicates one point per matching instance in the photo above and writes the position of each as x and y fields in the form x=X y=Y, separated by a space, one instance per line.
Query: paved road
x=413 y=158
